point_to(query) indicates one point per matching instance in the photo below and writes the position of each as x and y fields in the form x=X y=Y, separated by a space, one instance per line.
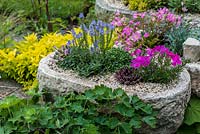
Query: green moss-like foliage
x=87 y=64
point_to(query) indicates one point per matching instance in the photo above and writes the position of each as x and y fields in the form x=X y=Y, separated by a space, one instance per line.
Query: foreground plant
x=96 y=111
x=158 y=64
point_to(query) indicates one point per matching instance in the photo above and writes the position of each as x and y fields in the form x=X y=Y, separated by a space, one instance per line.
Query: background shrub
x=61 y=12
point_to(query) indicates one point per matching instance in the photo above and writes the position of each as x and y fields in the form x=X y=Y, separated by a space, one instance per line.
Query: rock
x=105 y=11
x=191 y=49
x=170 y=101
x=194 y=70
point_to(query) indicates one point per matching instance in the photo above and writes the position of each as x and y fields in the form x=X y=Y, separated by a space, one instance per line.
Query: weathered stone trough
x=171 y=101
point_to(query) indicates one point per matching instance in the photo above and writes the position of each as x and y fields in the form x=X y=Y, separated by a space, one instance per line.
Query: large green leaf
x=192 y=114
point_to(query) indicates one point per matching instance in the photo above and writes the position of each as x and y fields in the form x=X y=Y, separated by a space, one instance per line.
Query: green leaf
x=147 y=109
x=2 y=130
x=135 y=122
x=118 y=92
x=91 y=129
x=113 y=122
x=192 y=114
x=77 y=107
x=9 y=102
x=126 y=127
x=151 y=121
x=124 y=110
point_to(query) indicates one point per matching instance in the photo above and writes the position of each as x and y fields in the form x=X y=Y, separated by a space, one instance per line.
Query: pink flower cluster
x=164 y=14
x=154 y=56
x=143 y=29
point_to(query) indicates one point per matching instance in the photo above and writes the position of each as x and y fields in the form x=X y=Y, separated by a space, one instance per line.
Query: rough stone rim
x=182 y=84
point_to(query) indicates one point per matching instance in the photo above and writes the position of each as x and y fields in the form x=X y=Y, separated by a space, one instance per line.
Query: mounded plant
x=20 y=62
x=91 y=51
x=143 y=29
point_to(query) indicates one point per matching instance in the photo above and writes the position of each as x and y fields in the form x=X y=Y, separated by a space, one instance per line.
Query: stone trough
x=171 y=100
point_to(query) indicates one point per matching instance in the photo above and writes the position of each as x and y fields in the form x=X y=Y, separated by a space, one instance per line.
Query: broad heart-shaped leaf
x=124 y=110
x=77 y=107
x=113 y=122
x=151 y=121
x=192 y=114
x=90 y=129
x=147 y=109
x=135 y=122
x=118 y=92
x=126 y=127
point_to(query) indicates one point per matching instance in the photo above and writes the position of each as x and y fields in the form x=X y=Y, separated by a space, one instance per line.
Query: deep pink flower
x=140 y=61
x=149 y=52
x=161 y=49
x=175 y=58
x=137 y=52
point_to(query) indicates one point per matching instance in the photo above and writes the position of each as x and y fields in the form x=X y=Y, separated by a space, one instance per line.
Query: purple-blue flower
x=81 y=15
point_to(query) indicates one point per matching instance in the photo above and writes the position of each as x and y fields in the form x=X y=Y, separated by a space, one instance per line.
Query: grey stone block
x=191 y=49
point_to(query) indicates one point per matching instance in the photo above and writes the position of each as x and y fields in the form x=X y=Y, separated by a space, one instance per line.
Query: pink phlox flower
x=135 y=15
x=131 y=22
x=127 y=31
x=137 y=52
x=140 y=61
x=128 y=42
x=171 y=18
x=146 y=35
x=179 y=20
x=137 y=23
x=117 y=21
x=163 y=10
x=175 y=58
x=149 y=52
x=161 y=49
x=142 y=15
x=117 y=13
x=136 y=36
